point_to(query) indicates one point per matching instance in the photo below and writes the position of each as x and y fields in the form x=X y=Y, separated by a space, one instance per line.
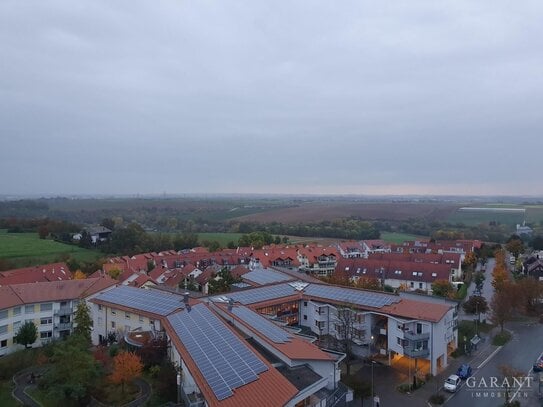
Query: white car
x=452 y=383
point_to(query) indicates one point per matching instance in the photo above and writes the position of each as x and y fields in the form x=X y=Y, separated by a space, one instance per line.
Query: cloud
x=241 y=96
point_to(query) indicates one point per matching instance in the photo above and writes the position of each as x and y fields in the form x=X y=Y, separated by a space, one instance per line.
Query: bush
x=11 y=364
x=404 y=387
x=501 y=339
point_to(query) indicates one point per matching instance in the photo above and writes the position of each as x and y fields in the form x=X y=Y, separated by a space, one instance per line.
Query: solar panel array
x=262 y=294
x=351 y=296
x=223 y=359
x=262 y=325
x=265 y=276
x=149 y=300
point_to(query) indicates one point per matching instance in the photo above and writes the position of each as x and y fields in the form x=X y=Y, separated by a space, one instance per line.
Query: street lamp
x=372 y=363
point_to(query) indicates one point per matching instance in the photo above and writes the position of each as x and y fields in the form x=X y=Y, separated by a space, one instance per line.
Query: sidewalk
x=477 y=359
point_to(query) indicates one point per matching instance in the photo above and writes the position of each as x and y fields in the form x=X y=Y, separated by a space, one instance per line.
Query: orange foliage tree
x=79 y=275
x=126 y=367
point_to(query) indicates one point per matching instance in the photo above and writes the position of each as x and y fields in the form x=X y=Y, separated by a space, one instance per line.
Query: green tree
x=108 y=223
x=27 y=334
x=73 y=372
x=83 y=321
x=479 y=280
x=475 y=305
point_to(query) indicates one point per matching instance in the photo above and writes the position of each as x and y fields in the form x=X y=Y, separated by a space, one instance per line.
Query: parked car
x=452 y=383
x=464 y=372
x=538 y=365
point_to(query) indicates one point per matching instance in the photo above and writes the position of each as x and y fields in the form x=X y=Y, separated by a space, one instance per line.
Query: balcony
x=63 y=326
x=416 y=353
x=412 y=336
x=63 y=311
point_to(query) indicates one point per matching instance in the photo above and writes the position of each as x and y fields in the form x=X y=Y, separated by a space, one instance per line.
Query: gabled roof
x=271 y=388
x=45 y=272
x=31 y=293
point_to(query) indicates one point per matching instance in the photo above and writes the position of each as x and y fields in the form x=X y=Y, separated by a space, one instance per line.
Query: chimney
x=230 y=304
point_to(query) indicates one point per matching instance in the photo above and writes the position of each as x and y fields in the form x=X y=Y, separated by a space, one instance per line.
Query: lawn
x=27 y=249
x=6 y=400
x=396 y=237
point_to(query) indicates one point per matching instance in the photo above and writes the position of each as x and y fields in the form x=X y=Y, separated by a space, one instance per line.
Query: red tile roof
x=270 y=389
x=45 y=272
x=30 y=293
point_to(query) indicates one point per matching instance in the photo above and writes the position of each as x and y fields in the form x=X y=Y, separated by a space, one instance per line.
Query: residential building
x=49 y=305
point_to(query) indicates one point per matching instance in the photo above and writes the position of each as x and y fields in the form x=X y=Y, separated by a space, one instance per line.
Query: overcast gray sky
x=271 y=96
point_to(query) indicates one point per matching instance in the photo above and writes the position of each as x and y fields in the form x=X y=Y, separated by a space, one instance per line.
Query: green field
x=27 y=249
x=533 y=215
x=222 y=238
x=396 y=237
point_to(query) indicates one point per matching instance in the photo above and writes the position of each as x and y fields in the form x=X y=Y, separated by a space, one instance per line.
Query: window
x=46 y=321
x=100 y=321
x=29 y=309
x=64 y=303
x=305 y=317
x=99 y=307
x=46 y=307
x=141 y=318
x=4 y=314
x=305 y=303
x=419 y=328
x=4 y=343
x=16 y=326
x=3 y=329
x=16 y=311
x=412 y=284
x=127 y=315
x=420 y=285
x=151 y=322
x=399 y=340
x=113 y=312
x=113 y=324
x=46 y=334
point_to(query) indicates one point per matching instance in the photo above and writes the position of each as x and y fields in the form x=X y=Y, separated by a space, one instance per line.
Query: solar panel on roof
x=351 y=296
x=223 y=359
x=265 y=276
x=149 y=300
x=261 y=324
x=262 y=294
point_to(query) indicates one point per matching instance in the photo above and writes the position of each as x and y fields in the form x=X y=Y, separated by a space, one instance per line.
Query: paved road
x=487 y=291
x=519 y=353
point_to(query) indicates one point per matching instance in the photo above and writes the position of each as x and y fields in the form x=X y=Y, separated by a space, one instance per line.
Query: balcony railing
x=62 y=326
x=63 y=311
x=416 y=353
x=413 y=336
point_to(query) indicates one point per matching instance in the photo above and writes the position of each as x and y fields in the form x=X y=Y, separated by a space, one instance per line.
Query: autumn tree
x=346 y=318
x=442 y=288
x=501 y=307
x=27 y=334
x=79 y=275
x=500 y=277
x=83 y=321
x=529 y=293
x=369 y=283
x=126 y=367
x=515 y=246
x=470 y=260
